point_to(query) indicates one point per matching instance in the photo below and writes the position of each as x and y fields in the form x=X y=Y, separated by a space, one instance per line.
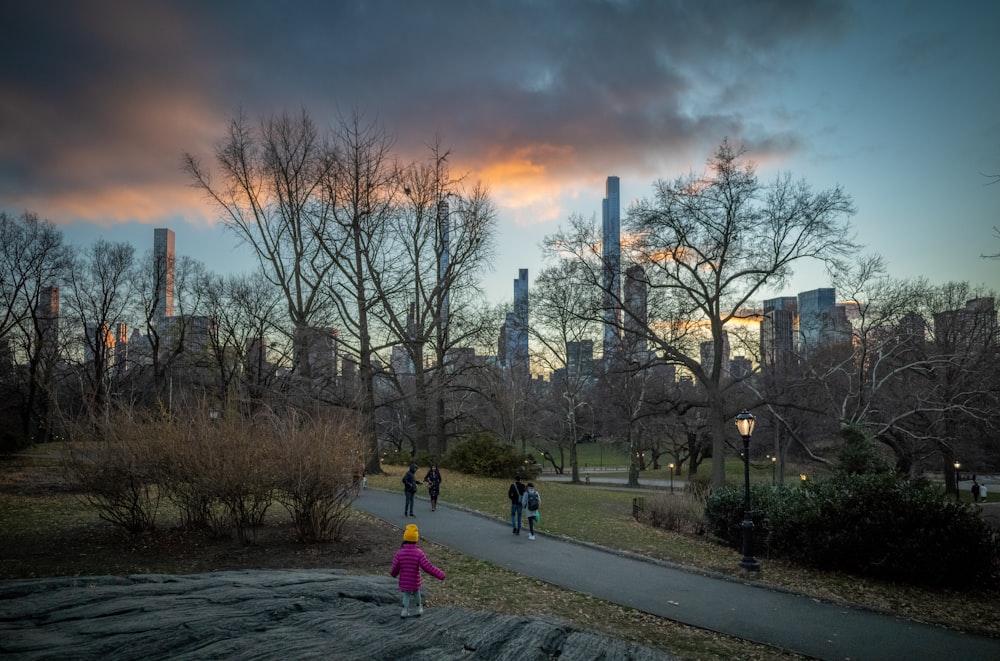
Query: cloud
x=106 y=95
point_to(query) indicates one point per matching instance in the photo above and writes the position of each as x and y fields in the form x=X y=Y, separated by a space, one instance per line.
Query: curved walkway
x=793 y=622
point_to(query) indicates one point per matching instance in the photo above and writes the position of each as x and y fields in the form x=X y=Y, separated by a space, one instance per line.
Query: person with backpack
x=532 y=501
x=514 y=492
x=410 y=483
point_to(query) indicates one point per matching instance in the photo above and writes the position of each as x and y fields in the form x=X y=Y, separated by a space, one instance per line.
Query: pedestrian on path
x=407 y=565
x=975 y=490
x=983 y=491
x=410 y=483
x=532 y=502
x=515 y=491
x=433 y=482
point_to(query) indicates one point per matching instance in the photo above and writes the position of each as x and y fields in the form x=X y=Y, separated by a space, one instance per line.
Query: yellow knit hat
x=411 y=534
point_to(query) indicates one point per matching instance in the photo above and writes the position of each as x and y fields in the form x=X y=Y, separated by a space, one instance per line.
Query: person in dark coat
x=514 y=493
x=433 y=482
x=410 y=483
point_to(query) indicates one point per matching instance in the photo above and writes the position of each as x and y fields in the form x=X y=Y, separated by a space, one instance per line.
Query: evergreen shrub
x=482 y=455
x=878 y=525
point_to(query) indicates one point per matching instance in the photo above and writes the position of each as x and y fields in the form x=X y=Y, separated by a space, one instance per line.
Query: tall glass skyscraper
x=611 y=258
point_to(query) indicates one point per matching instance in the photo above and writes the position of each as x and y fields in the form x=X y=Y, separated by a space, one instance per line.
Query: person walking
x=410 y=483
x=433 y=482
x=532 y=502
x=983 y=491
x=514 y=492
x=975 y=490
x=407 y=565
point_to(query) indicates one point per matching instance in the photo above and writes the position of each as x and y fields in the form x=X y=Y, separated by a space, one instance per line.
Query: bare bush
x=314 y=458
x=222 y=473
x=680 y=513
x=191 y=470
x=115 y=468
x=239 y=473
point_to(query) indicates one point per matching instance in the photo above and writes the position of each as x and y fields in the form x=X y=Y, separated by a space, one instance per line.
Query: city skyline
x=889 y=100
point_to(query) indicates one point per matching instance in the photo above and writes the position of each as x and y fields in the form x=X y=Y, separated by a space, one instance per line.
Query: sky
x=898 y=102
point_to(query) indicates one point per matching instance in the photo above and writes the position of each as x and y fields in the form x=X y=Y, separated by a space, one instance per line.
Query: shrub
x=680 y=513
x=314 y=459
x=878 y=525
x=481 y=455
x=223 y=475
x=115 y=470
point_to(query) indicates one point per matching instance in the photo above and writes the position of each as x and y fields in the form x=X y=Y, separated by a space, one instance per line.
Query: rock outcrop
x=270 y=614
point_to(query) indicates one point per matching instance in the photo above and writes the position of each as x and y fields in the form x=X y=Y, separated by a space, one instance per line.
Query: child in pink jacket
x=406 y=564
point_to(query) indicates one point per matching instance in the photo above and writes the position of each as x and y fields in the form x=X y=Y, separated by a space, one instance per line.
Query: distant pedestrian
x=975 y=490
x=407 y=565
x=983 y=491
x=514 y=493
x=410 y=483
x=532 y=501
x=357 y=477
x=433 y=482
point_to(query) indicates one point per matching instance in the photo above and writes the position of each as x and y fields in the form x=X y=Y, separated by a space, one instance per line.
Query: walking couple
x=524 y=497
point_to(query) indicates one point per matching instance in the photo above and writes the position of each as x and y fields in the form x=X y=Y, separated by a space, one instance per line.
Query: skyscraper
x=821 y=321
x=163 y=253
x=778 y=331
x=975 y=325
x=636 y=290
x=444 y=261
x=611 y=258
x=47 y=313
x=516 y=325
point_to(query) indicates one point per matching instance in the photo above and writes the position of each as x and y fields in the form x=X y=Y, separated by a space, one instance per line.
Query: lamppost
x=958 y=477
x=671 y=477
x=744 y=425
x=774 y=471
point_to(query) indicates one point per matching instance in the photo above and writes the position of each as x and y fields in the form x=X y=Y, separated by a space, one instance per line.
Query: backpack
x=533 y=500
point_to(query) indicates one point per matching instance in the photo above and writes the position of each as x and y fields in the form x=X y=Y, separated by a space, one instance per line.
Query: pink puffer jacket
x=407 y=563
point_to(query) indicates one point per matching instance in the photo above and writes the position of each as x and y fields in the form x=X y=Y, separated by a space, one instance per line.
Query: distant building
x=515 y=329
x=163 y=253
x=708 y=355
x=47 y=314
x=822 y=323
x=975 y=325
x=444 y=261
x=611 y=258
x=636 y=289
x=740 y=367
x=320 y=352
x=778 y=330
x=121 y=348
x=579 y=360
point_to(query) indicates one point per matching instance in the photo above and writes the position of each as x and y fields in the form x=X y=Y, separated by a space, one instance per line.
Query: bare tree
x=100 y=294
x=248 y=315
x=271 y=196
x=33 y=263
x=563 y=328
x=360 y=194
x=710 y=244
x=443 y=241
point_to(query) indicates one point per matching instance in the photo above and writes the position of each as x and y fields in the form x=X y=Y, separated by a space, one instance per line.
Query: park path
x=781 y=619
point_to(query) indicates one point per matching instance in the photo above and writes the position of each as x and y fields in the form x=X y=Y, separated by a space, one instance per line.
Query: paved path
x=792 y=622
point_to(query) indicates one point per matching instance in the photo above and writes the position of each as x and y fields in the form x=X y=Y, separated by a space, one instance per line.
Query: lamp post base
x=748 y=561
